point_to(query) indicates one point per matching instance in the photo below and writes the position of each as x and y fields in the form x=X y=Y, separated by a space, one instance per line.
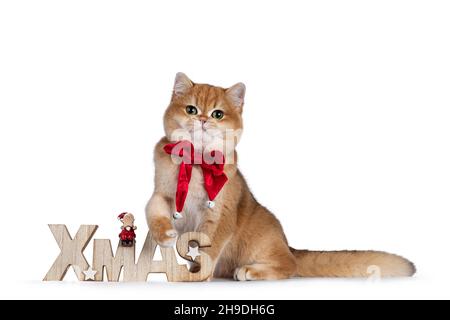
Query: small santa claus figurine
x=127 y=236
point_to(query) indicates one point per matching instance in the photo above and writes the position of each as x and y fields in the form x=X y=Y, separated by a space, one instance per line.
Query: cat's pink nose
x=203 y=120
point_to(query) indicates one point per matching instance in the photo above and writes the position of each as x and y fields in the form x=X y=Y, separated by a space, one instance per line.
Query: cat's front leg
x=219 y=231
x=159 y=220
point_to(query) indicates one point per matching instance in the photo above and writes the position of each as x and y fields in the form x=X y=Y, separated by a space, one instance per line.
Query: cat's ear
x=182 y=84
x=236 y=94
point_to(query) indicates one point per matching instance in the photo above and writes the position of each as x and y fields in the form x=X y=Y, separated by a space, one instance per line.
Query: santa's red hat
x=120 y=217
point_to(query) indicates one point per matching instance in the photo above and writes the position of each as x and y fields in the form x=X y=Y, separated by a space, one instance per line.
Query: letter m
x=105 y=259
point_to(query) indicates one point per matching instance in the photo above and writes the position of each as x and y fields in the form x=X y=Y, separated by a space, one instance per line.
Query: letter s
x=205 y=261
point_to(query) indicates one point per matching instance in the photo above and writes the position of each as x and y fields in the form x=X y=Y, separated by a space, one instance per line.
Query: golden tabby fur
x=248 y=242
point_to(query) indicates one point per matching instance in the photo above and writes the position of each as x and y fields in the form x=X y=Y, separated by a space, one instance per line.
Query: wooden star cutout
x=193 y=253
x=89 y=274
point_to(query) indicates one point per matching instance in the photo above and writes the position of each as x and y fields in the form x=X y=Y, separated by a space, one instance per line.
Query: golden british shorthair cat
x=248 y=242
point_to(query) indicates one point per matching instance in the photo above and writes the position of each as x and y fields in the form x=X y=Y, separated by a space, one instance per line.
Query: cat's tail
x=351 y=264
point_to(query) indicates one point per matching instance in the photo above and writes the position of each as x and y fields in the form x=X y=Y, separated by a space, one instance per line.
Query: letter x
x=71 y=251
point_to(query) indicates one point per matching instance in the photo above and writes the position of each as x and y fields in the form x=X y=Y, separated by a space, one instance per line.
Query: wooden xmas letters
x=124 y=260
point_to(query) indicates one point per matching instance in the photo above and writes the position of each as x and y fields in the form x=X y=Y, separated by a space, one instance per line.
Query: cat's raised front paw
x=163 y=232
x=170 y=239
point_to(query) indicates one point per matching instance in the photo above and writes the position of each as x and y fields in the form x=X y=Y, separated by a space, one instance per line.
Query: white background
x=351 y=97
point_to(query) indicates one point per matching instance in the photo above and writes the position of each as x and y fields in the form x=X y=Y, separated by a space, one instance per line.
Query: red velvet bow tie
x=213 y=175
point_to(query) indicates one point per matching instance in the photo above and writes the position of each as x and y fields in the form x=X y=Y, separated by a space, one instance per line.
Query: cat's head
x=208 y=116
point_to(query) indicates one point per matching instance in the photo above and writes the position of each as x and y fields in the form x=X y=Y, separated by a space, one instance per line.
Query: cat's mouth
x=204 y=129
x=207 y=134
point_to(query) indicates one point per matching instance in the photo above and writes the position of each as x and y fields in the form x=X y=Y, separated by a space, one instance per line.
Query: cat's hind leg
x=261 y=271
x=273 y=267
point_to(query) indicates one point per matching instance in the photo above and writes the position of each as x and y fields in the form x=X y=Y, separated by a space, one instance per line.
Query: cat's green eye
x=217 y=114
x=191 y=110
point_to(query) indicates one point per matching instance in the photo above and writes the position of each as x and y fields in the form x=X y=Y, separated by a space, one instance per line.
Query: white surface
x=351 y=97
x=287 y=289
